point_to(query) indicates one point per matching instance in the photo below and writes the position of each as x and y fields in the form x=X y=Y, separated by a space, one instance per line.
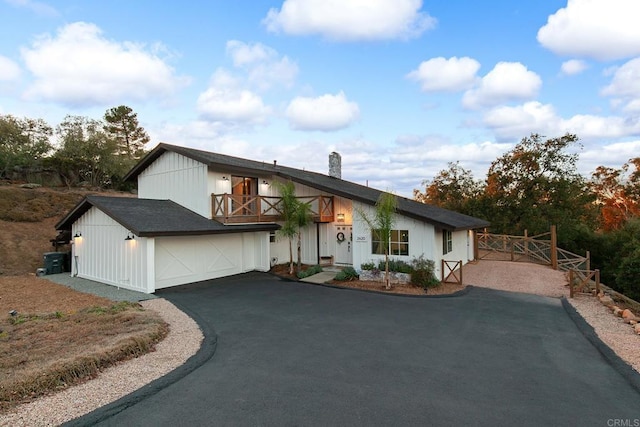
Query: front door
x=244 y=191
x=344 y=244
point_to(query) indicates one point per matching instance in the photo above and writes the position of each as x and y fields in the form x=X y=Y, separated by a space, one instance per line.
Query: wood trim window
x=447 y=241
x=398 y=244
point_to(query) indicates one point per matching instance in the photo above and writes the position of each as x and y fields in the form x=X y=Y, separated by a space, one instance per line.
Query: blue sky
x=398 y=87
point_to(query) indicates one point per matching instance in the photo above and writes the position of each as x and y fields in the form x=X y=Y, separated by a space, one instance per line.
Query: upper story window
x=447 y=242
x=398 y=244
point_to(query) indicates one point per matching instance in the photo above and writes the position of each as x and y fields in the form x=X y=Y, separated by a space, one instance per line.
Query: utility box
x=54 y=262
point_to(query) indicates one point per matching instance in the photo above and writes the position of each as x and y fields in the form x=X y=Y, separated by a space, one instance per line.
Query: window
x=447 y=242
x=398 y=244
x=272 y=236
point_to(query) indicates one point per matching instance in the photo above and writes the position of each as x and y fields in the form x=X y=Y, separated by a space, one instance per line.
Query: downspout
x=318 y=242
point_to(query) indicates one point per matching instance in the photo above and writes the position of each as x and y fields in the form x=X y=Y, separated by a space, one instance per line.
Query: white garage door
x=180 y=260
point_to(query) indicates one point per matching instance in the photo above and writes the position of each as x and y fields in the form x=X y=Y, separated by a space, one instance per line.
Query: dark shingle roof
x=439 y=217
x=149 y=217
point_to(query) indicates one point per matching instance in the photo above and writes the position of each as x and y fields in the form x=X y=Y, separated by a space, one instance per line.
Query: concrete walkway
x=320 y=278
x=100 y=289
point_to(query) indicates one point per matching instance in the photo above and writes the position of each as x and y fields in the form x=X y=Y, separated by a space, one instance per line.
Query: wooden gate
x=452 y=272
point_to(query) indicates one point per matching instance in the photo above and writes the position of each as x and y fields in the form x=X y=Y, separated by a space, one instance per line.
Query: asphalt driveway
x=298 y=354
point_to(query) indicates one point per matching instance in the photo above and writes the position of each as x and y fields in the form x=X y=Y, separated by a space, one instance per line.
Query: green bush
x=628 y=277
x=423 y=273
x=396 y=265
x=347 y=274
x=309 y=272
x=368 y=265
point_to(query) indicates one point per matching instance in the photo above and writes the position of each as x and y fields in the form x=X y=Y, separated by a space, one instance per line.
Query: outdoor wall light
x=77 y=235
x=264 y=181
x=225 y=178
x=340 y=217
x=130 y=236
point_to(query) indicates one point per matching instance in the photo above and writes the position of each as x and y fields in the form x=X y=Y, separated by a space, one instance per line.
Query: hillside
x=27 y=223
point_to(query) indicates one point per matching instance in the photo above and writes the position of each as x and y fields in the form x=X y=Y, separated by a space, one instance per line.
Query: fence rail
x=451 y=272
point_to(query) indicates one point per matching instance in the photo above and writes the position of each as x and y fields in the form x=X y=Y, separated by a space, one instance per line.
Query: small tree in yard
x=296 y=215
x=382 y=225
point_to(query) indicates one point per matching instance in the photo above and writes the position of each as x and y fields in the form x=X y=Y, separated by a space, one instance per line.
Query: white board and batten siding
x=102 y=254
x=181 y=179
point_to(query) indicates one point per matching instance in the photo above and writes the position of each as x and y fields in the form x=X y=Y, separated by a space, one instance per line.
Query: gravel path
x=182 y=342
x=185 y=337
x=543 y=280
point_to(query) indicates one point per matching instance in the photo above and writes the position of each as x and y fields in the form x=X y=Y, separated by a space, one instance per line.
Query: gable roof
x=150 y=218
x=439 y=217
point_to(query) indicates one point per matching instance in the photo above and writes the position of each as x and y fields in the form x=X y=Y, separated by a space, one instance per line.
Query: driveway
x=300 y=354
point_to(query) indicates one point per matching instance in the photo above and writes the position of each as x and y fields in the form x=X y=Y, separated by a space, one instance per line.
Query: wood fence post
x=588 y=261
x=526 y=243
x=570 y=283
x=597 y=282
x=225 y=206
x=442 y=270
x=554 y=248
x=476 y=245
x=460 y=272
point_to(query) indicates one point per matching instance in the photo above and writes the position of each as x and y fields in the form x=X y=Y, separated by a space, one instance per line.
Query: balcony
x=233 y=209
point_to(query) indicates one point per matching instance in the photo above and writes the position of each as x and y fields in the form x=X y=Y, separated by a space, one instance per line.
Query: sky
x=399 y=88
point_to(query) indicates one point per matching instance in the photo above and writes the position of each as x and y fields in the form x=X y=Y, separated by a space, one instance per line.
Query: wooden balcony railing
x=232 y=209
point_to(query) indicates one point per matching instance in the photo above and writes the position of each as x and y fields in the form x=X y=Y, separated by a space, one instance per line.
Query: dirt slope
x=27 y=223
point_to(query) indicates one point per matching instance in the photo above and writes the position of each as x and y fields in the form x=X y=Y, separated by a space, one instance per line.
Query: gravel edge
x=183 y=341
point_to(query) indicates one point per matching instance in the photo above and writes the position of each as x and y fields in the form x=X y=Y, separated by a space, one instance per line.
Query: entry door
x=244 y=190
x=344 y=244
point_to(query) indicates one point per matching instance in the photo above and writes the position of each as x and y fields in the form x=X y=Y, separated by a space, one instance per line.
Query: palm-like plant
x=296 y=215
x=382 y=224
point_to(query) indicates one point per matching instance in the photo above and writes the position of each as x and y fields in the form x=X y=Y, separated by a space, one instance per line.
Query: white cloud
x=599 y=29
x=224 y=101
x=446 y=75
x=351 y=20
x=263 y=65
x=612 y=155
x=509 y=123
x=507 y=81
x=324 y=113
x=624 y=85
x=39 y=8
x=9 y=70
x=573 y=67
x=79 y=67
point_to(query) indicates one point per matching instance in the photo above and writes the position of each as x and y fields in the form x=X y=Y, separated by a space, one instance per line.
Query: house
x=201 y=215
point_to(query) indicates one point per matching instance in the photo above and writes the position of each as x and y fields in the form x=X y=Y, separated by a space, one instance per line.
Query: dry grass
x=61 y=337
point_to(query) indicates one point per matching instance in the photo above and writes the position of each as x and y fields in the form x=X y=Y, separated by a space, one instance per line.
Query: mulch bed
x=282 y=270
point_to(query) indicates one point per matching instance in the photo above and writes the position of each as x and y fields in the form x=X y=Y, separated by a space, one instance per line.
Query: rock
x=627 y=314
x=607 y=300
x=617 y=311
x=636 y=328
x=30 y=185
x=632 y=321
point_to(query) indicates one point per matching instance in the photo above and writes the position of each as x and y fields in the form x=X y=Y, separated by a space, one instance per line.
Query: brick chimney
x=335 y=165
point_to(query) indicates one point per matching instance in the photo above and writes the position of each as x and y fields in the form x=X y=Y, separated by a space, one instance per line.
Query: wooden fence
x=540 y=249
x=451 y=272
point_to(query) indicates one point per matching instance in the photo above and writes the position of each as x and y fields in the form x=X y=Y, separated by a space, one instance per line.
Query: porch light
x=77 y=235
x=225 y=178
x=130 y=236
x=340 y=217
x=264 y=181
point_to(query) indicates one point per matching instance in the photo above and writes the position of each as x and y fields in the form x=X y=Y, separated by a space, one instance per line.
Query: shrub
x=309 y=271
x=424 y=273
x=396 y=265
x=346 y=275
x=368 y=265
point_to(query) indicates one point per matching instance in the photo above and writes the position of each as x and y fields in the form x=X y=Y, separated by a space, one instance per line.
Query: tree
x=123 y=127
x=382 y=225
x=24 y=144
x=86 y=153
x=535 y=185
x=296 y=216
x=617 y=194
x=454 y=189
